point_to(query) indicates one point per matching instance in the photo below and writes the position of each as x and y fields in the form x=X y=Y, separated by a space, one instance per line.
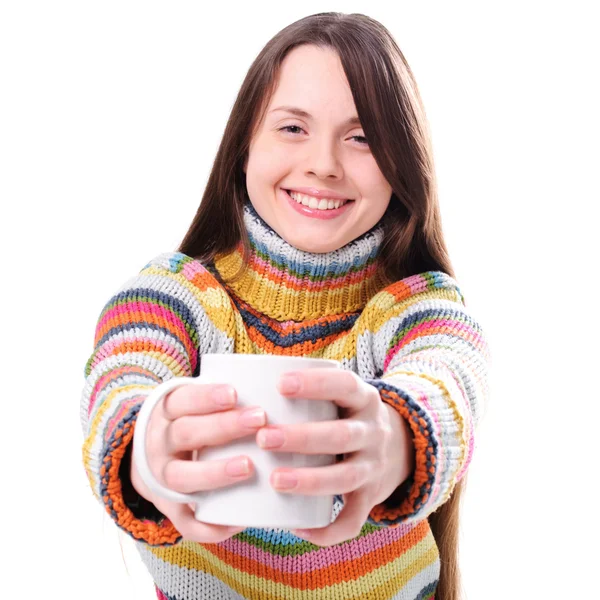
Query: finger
x=196 y=399
x=347 y=526
x=192 y=432
x=321 y=437
x=339 y=478
x=182 y=517
x=345 y=388
x=188 y=476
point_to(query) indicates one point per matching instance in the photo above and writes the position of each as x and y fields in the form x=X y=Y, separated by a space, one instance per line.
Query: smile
x=316 y=203
x=324 y=209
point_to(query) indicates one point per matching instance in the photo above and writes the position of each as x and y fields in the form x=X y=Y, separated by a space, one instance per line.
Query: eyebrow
x=302 y=113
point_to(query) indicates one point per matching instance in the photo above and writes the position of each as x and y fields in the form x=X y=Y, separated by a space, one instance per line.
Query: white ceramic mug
x=252 y=502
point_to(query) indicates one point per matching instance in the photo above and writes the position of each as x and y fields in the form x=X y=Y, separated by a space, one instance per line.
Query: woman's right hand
x=186 y=419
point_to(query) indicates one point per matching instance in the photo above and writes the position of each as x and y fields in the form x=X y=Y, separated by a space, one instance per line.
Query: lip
x=309 y=191
x=315 y=213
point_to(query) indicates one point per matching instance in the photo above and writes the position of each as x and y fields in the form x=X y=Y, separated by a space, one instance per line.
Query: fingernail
x=270 y=438
x=238 y=466
x=253 y=417
x=284 y=481
x=223 y=396
x=289 y=384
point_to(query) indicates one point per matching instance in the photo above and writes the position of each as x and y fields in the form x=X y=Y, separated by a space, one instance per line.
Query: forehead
x=312 y=80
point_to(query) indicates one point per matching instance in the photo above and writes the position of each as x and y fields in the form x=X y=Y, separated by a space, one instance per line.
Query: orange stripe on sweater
x=129 y=318
x=148 y=531
x=330 y=575
x=348 y=280
x=301 y=349
x=422 y=444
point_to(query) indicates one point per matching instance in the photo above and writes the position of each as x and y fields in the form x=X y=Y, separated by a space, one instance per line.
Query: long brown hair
x=392 y=115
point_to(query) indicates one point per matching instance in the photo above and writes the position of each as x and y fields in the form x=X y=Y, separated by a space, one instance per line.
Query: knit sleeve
x=430 y=360
x=152 y=329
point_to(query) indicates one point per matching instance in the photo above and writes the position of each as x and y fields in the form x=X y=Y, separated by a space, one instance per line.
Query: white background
x=110 y=115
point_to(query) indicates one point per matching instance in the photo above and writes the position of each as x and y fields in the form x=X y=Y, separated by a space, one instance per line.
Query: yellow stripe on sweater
x=398 y=572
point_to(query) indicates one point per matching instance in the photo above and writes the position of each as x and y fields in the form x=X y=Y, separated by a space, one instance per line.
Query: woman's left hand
x=376 y=440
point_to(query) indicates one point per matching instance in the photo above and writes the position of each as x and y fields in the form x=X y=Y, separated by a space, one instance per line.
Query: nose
x=324 y=160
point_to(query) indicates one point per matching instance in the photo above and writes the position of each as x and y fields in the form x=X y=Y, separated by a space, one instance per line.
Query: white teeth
x=320 y=204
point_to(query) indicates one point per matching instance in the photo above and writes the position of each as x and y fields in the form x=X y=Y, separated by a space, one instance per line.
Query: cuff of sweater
x=130 y=511
x=141 y=508
x=410 y=500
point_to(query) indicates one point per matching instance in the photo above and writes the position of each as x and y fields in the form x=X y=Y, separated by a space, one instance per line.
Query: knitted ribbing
x=413 y=340
x=285 y=283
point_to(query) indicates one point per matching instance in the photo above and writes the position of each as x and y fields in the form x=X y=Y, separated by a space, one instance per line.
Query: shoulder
x=176 y=263
x=188 y=286
x=400 y=295
x=427 y=306
x=412 y=302
x=171 y=276
x=185 y=269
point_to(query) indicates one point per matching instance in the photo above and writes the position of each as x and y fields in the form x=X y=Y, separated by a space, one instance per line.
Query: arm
x=430 y=359
x=154 y=328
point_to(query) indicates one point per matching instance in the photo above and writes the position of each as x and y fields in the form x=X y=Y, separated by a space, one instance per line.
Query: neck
x=285 y=283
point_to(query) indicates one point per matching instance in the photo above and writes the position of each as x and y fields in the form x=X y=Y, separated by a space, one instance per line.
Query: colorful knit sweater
x=413 y=340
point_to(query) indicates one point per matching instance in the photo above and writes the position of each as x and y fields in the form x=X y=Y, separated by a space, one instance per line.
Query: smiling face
x=322 y=150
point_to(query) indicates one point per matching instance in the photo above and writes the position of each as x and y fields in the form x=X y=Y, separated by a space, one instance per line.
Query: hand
x=375 y=439
x=186 y=419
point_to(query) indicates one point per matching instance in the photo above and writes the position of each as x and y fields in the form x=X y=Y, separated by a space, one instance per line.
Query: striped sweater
x=413 y=340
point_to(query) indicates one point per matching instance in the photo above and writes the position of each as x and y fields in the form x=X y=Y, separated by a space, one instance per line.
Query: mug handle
x=139 y=439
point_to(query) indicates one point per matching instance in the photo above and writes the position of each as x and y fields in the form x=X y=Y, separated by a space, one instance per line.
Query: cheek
x=282 y=162
x=379 y=191
x=375 y=181
x=268 y=160
x=367 y=176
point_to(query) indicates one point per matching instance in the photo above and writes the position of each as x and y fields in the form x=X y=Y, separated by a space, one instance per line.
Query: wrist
x=403 y=447
x=141 y=507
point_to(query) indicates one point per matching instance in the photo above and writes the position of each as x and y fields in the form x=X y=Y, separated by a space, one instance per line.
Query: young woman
x=318 y=234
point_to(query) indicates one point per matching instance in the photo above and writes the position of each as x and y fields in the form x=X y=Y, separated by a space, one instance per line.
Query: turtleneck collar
x=285 y=283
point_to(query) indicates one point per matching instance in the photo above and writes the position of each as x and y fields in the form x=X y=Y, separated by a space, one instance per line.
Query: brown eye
x=290 y=127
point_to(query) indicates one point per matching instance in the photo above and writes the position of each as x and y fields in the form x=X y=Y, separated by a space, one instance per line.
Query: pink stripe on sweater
x=124 y=370
x=104 y=352
x=191 y=269
x=465 y=410
x=324 y=557
x=124 y=408
x=169 y=349
x=433 y=327
x=160 y=313
x=151 y=308
x=159 y=594
x=357 y=277
x=412 y=387
x=416 y=283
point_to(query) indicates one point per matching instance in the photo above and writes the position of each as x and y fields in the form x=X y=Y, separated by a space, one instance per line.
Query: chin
x=314 y=246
